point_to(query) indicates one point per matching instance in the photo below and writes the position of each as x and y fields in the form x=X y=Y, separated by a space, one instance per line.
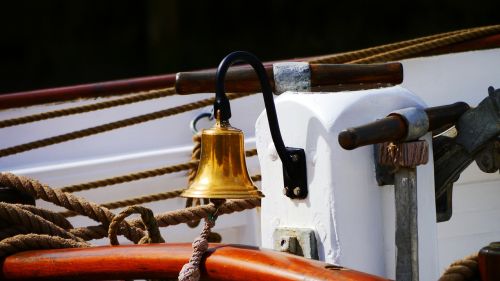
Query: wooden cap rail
x=243 y=79
x=394 y=127
x=223 y=262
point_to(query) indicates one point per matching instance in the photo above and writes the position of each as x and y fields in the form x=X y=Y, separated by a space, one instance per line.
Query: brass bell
x=222 y=171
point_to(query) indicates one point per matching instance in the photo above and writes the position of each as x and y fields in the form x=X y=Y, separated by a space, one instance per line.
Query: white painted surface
x=446 y=79
x=346 y=208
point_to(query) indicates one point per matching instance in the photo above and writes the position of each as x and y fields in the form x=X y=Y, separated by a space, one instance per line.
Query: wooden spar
x=154 y=261
x=394 y=127
x=243 y=79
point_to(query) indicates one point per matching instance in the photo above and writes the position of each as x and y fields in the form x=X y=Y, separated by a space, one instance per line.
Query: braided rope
x=412 y=47
x=138 y=176
x=91 y=232
x=134 y=201
x=153 y=94
x=191 y=270
x=13 y=214
x=129 y=177
x=354 y=55
x=145 y=199
x=153 y=232
x=25 y=242
x=51 y=216
x=410 y=51
x=111 y=126
x=67 y=200
x=203 y=211
x=195 y=156
x=462 y=270
x=174 y=217
x=6 y=232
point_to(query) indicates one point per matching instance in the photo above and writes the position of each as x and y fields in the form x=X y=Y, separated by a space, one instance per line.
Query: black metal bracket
x=293 y=159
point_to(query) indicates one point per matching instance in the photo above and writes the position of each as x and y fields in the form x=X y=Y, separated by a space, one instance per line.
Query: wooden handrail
x=222 y=262
x=244 y=79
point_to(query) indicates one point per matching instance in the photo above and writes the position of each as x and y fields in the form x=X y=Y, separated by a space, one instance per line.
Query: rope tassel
x=191 y=270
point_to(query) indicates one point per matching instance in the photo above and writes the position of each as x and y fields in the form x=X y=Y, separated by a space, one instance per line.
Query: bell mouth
x=229 y=193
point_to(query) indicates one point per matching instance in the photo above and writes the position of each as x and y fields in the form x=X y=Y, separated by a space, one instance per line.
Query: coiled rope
x=462 y=270
x=132 y=229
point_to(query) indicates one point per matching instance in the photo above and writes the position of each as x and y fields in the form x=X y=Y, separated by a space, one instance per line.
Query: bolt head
x=285 y=190
x=296 y=191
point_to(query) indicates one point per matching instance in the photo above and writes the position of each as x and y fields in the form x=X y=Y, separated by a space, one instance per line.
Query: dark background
x=54 y=43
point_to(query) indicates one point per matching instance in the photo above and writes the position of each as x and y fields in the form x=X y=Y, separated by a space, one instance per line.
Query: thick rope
x=134 y=201
x=6 y=232
x=68 y=201
x=153 y=94
x=466 y=269
x=51 y=216
x=26 y=242
x=129 y=177
x=91 y=232
x=111 y=126
x=144 y=199
x=153 y=232
x=12 y=214
x=191 y=270
x=203 y=211
x=174 y=217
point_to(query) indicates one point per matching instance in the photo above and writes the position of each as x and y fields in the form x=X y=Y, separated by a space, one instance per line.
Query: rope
x=354 y=55
x=191 y=270
x=144 y=199
x=153 y=232
x=13 y=214
x=6 y=232
x=25 y=242
x=91 y=232
x=133 y=201
x=153 y=94
x=462 y=270
x=407 y=48
x=138 y=176
x=432 y=44
x=129 y=177
x=174 y=217
x=68 y=201
x=111 y=126
x=203 y=211
x=53 y=217
x=195 y=156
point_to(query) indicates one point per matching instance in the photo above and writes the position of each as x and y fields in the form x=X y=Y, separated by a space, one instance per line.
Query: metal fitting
x=292 y=76
x=416 y=120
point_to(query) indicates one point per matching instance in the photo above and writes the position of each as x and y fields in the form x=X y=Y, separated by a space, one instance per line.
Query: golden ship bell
x=222 y=170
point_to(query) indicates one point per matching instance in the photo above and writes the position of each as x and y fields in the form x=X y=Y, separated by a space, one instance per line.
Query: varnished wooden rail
x=243 y=78
x=222 y=262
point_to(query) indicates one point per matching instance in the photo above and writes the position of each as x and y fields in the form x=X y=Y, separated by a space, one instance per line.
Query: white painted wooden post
x=352 y=217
